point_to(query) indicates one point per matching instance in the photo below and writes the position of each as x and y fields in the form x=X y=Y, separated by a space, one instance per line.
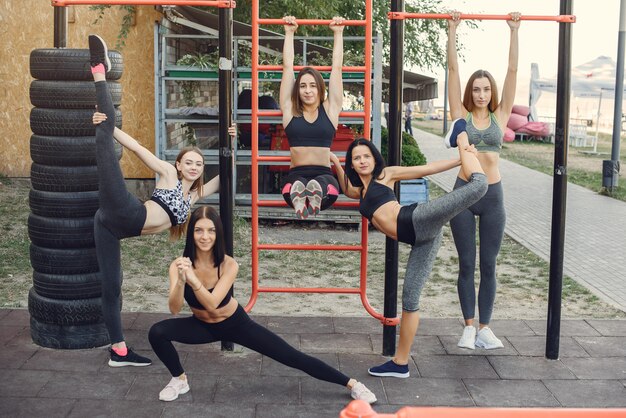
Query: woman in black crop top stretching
x=203 y=277
x=486 y=120
x=310 y=122
x=121 y=214
x=419 y=225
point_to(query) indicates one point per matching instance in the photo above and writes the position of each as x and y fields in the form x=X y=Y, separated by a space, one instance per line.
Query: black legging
x=238 y=328
x=323 y=175
x=121 y=215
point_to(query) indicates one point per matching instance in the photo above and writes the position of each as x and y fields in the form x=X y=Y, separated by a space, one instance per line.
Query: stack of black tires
x=64 y=302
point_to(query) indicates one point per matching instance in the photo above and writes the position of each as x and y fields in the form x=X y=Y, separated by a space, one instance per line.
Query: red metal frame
x=226 y=4
x=407 y=15
x=256 y=246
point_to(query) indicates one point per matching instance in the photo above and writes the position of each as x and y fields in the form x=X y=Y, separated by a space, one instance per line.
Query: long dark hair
x=379 y=162
x=206 y=212
x=296 y=102
x=468 y=102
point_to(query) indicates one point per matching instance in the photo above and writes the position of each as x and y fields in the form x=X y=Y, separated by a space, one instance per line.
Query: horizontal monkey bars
x=224 y=4
x=407 y=15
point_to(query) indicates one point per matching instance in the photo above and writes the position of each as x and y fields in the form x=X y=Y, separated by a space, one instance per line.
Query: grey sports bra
x=488 y=139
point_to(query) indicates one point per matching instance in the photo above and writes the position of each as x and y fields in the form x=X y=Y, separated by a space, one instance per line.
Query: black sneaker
x=98 y=52
x=130 y=359
x=458 y=126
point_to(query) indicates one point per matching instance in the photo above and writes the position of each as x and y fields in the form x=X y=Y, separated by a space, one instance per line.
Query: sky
x=594 y=33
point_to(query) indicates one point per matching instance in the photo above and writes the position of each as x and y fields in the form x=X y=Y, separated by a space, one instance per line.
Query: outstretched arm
x=510 y=81
x=415 y=172
x=457 y=110
x=346 y=187
x=288 y=80
x=335 y=84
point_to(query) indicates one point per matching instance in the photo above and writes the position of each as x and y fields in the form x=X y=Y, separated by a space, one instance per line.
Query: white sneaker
x=360 y=392
x=486 y=339
x=468 y=339
x=174 y=388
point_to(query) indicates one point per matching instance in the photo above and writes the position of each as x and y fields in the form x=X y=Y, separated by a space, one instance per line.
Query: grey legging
x=490 y=210
x=428 y=221
x=121 y=215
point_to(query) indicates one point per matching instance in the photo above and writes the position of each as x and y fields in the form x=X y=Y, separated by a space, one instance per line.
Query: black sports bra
x=192 y=300
x=302 y=133
x=377 y=195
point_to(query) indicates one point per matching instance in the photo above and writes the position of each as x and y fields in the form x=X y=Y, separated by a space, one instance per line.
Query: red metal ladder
x=255 y=159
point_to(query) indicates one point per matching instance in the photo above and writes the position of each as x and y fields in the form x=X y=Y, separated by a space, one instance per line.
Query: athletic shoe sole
x=182 y=392
x=314 y=194
x=389 y=374
x=298 y=199
x=107 y=61
x=114 y=363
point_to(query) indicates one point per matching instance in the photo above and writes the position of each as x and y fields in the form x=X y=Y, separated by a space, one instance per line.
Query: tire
x=69 y=94
x=63 y=179
x=63 y=205
x=75 y=286
x=68 y=337
x=69 y=64
x=64 y=312
x=66 y=151
x=61 y=232
x=63 y=260
x=66 y=122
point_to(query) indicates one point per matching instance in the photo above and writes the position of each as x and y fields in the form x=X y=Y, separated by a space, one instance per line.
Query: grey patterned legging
x=490 y=211
x=121 y=215
x=428 y=221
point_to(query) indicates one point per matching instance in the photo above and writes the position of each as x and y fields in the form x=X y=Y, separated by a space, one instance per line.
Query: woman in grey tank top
x=486 y=119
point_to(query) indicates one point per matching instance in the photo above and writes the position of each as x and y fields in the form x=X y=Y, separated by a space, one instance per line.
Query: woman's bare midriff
x=385 y=219
x=157 y=219
x=302 y=156
x=490 y=162
x=216 y=315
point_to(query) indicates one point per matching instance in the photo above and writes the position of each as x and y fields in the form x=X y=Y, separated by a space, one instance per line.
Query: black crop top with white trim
x=302 y=133
x=192 y=300
x=173 y=203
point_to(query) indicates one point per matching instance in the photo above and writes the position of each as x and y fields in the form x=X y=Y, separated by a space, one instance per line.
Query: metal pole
x=60 y=27
x=610 y=169
x=225 y=143
x=559 y=190
x=394 y=152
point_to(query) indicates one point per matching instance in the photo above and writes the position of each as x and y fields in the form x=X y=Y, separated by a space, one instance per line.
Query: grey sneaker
x=360 y=392
x=298 y=196
x=486 y=339
x=468 y=339
x=174 y=388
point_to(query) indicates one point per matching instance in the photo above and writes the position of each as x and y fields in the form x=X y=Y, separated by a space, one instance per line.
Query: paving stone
x=35 y=407
x=530 y=368
x=300 y=325
x=455 y=367
x=422 y=344
x=3 y=313
x=569 y=327
x=22 y=339
x=128 y=319
x=258 y=390
x=510 y=393
x=440 y=326
x=214 y=410
x=300 y=411
x=14 y=358
x=535 y=346
x=603 y=346
x=23 y=383
x=137 y=339
x=427 y=391
x=8 y=332
x=87 y=385
x=451 y=347
x=336 y=343
x=318 y=392
x=245 y=362
x=597 y=368
x=510 y=327
x=364 y=325
x=588 y=393
x=98 y=408
x=17 y=317
x=609 y=327
x=67 y=360
x=146 y=319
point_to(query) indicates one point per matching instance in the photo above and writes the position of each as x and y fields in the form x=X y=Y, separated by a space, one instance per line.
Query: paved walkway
x=591 y=371
x=595 y=234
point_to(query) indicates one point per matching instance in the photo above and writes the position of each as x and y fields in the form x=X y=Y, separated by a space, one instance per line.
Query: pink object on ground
x=535 y=128
x=521 y=110
x=516 y=121
x=509 y=135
